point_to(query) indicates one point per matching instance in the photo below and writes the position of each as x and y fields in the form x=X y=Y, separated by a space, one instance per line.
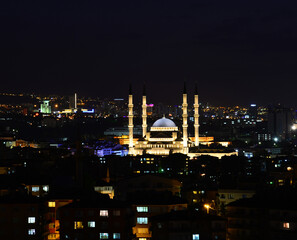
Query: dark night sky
x=239 y=52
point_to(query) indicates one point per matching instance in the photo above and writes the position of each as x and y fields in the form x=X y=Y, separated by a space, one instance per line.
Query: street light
x=207 y=208
x=289 y=168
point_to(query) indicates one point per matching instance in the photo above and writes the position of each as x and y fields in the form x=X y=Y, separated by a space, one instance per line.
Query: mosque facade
x=164 y=137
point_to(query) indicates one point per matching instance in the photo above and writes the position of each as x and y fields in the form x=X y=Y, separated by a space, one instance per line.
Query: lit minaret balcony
x=196 y=117
x=185 y=119
x=130 y=116
x=144 y=113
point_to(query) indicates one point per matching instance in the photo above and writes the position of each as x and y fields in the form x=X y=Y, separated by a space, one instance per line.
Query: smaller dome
x=164 y=122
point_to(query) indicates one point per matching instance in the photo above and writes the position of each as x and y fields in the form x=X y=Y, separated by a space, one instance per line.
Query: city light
x=289 y=168
x=207 y=206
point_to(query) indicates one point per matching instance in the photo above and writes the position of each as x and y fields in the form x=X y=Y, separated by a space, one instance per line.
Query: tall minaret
x=144 y=114
x=185 y=119
x=75 y=100
x=196 y=116
x=130 y=116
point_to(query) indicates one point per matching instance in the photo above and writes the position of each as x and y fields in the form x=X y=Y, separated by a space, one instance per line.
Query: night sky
x=239 y=52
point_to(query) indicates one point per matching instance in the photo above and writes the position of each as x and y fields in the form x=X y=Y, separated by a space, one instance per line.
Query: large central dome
x=164 y=122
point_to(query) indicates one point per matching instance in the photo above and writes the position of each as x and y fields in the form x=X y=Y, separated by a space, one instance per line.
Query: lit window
x=142 y=209
x=280 y=182
x=195 y=236
x=143 y=230
x=45 y=188
x=31 y=232
x=142 y=238
x=116 y=236
x=51 y=204
x=31 y=219
x=103 y=235
x=78 y=225
x=91 y=224
x=52 y=236
x=142 y=220
x=116 y=213
x=104 y=213
x=35 y=189
x=286 y=225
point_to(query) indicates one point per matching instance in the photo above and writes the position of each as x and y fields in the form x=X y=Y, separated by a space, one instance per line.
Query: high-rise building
x=73 y=101
x=45 y=107
x=280 y=122
x=253 y=111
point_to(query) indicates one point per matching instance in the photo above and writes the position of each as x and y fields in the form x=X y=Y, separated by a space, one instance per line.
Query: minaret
x=75 y=101
x=185 y=119
x=144 y=114
x=130 y=116
x=196 y=116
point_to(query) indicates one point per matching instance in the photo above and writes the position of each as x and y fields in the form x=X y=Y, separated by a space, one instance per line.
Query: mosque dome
x=164 y=122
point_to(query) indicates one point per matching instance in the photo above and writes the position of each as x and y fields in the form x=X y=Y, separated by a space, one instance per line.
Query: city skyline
x=18 y=98
x=148 y=120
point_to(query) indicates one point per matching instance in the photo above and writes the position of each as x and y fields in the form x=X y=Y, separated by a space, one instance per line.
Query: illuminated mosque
x=164 y=137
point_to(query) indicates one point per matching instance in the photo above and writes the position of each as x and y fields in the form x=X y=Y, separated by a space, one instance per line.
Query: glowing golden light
x=207 y=208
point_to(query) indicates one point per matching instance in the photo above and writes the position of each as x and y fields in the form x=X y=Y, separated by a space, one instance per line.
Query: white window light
x=104 y=213
x=91 y=224
x=31 y=219
x=116 y=236
x=195 y=236
x=103 y=235
x=45 y=188
x=35 y=189
x=142 y=220
x=286 y=225
x=31 y=231
x=142 y=209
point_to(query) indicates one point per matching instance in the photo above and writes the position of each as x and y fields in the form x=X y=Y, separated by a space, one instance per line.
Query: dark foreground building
x=21 y=217
x=187 y=224
x=99 y=218
x=269 y=215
